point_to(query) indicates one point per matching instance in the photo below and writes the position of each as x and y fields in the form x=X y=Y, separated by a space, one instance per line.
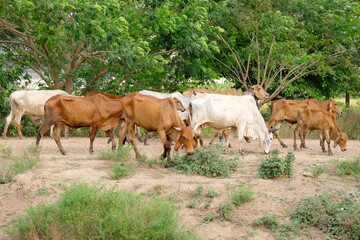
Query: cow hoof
x=92 y=152
x=5 y=137
x=330 y=154
x=108 y=141
x=146 y=144
x=63 y=153
x=305 y=147
x=324 y=151
x=284 y=146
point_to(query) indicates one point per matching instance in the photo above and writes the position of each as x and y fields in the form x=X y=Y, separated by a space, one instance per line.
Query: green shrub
x=85 y=212
x=241 y=195
x=340 y=220
x=349 y=168
x=120 y=170
x=317 y=170
x=206 y=161
x=121 y=166
x=270 y=222
x=211 y=193
x=225 y=211
x=274 y=166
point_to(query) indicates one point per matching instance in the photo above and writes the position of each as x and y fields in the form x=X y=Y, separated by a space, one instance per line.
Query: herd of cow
x=177 y=117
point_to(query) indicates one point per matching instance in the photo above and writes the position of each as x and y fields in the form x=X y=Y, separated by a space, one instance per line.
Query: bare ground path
x=44 y=183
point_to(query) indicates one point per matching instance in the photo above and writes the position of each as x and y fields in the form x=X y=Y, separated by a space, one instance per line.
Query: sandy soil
x=272 y=197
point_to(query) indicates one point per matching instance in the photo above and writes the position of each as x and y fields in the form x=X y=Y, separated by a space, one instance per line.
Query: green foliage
x=120 y=170
x=226 y=211
x=274 y=166
x=270 y=222
x=18 y=164
x=349 y=121
x=208 y=218
x=349 y=168
x=85 y=212
x=212 y=193
x=340 y=220
x=206 y=161
x=121 y=166
x=240 y=195
x=122 y=154
x=317 y=170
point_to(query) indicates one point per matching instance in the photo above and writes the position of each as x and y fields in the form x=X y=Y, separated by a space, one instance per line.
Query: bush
x=241 y=195
x=340 y=220
x=270 y=222
x=274 y=166
x=85 y=212
x=349 y=121
x=206 y=161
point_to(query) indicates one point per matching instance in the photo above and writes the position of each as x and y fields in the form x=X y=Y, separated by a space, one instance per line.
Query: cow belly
x=110 y=123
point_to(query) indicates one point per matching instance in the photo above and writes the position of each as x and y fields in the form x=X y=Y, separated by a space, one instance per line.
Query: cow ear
x=178 y=144
x=195 y=142
x=195 y=93
x=330 y=107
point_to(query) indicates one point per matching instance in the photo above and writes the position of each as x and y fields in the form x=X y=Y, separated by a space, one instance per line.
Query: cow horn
x=273 y=129
x=195 y=93
x=177 y=128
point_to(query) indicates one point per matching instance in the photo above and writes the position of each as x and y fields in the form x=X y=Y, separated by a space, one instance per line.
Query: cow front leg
x=240 y=130
x=327 y=138
x=111 y=136
x=43 y=128
x=296 y=132
x=302 y=137
x=93 y=131
x=166 y=143
x=322 y=143
x=56 y=136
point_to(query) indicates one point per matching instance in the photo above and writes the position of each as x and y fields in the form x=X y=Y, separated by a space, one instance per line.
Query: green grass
x=351 y=167
x=240 y=195
x=121 y=166
x=275 y=166
x=17 y=164
x=85 y=212
x=226 y=211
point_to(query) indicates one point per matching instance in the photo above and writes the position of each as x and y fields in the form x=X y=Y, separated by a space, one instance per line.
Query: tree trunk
x=68 y=86
x=347 y=100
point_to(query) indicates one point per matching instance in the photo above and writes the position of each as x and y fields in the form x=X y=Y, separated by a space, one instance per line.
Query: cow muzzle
x=266 y=152
x=190 y=153
x=344 y=149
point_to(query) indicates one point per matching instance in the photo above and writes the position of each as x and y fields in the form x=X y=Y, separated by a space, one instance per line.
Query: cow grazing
x=235 y=112
x=325 y=123
x=286 y=110
x=160 y=115
x=95 y=112
x=28 y=102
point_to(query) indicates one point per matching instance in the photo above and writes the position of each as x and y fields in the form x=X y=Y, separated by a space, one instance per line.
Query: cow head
x=179 y=105
x=341 y=140
x=259 y=92
x=334 y=107
x=187 y=139
x=265 y=142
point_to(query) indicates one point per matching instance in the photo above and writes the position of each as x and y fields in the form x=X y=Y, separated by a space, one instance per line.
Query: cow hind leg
x=111 y=136
x=17 y=124
x=57 y=133
x=241 y=130
x=276 y=132
x=146 y=137
x=7 y=123
x=214 y=137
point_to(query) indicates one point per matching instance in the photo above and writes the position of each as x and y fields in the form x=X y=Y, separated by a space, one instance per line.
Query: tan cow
x=160 y=115
x=95 y=112
x=286 y=110
x=325 y=123
x=31 y=103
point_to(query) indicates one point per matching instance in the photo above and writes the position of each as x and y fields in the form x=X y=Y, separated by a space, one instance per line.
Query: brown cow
x=286 y=110
x=95 y=112
x=158 y=115
x=325 y=123
x=257 y=91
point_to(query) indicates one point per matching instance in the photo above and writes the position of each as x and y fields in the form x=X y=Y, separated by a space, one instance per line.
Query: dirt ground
x=44 y=183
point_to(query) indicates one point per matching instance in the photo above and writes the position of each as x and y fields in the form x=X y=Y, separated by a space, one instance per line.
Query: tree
x=274 y=43
x=79 y=42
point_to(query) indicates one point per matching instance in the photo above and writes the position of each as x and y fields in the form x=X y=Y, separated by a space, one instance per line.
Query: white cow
x=28 y=102
x=235 y=112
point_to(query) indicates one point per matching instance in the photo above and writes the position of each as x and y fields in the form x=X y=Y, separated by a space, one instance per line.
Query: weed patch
x=338 y=219
x=85 y=212
x=206 y=161
x=121 y=166
x=349 y=168
x=240 y=195
x=270 y=222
